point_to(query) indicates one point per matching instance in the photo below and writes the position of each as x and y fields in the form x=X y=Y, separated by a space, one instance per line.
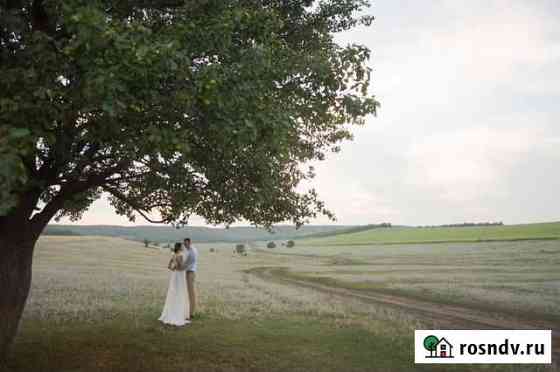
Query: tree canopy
x=175 y=107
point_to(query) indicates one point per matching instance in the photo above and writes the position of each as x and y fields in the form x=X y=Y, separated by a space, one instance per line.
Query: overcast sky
x=467 y=129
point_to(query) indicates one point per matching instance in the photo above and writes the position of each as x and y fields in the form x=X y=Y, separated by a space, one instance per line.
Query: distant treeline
x=51 y=230
x=349 y=230
x=465 y=224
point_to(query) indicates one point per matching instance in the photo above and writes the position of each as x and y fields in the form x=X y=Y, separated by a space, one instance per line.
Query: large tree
x=172 y=108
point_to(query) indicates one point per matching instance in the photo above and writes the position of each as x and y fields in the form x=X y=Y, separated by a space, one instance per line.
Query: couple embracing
x=181 y=296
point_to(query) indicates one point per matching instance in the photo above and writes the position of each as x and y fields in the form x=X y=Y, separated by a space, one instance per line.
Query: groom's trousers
x=192 y=292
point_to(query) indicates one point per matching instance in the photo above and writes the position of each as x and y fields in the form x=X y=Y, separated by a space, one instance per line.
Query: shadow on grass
x=273 y=344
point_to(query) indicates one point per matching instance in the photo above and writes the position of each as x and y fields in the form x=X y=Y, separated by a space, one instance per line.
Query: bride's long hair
x=177 y=247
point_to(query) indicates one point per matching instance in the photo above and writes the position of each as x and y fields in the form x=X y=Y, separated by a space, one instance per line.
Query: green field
x=407 y=235
x=519 y=278
x=95 y=301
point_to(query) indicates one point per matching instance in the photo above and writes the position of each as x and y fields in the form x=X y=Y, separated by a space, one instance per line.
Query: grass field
x=95 y=301
x=408 y=235
x=521 y=278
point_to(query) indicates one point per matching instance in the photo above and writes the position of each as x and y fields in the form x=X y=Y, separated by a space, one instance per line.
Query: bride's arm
x=172 y=265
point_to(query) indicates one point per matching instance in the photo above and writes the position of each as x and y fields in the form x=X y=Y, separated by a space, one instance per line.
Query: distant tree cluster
x=350 y=230
x=465 y=224
x=380 y=225
x=240 y=249
x=290 y=244
x=59 y=232
x=271 y=245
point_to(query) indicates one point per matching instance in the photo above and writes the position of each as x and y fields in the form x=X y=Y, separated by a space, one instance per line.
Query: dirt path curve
x=443 y=316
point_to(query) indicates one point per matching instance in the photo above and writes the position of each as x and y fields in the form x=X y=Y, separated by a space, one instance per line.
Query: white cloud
x=469 y=164
x=351 y=200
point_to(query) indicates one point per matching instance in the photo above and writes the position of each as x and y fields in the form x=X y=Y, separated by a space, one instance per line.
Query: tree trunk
x=16 y=255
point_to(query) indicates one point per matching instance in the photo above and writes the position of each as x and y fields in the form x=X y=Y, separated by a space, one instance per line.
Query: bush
x=212 y=250
x=271 y=245
x=290 y=244
x=146 y=243
x=240 y=248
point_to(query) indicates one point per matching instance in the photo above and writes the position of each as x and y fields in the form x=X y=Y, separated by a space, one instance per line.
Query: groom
x=190 y=268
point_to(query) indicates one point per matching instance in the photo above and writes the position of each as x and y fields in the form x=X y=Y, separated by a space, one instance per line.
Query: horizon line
x=292 y=225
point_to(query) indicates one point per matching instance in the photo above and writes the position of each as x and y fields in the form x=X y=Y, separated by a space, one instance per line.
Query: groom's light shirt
x=192 y=258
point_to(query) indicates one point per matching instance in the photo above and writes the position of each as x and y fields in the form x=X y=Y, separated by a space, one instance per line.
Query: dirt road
x=441 y=315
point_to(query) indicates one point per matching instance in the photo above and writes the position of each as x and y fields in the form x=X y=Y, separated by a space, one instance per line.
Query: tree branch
x=13 y=4
x=137 y=208
x=41 y=219
x=39 y=17
x=160 y=4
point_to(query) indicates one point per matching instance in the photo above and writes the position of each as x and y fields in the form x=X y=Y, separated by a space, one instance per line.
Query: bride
x=175 y=312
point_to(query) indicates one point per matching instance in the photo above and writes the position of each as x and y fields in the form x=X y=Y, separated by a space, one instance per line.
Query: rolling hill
x=197 y=233
x=407 y=235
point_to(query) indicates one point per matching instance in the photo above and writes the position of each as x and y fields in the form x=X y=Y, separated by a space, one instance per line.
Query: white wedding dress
x=176 y=305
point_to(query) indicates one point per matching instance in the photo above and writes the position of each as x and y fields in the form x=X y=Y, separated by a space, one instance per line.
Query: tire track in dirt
x=444 y=316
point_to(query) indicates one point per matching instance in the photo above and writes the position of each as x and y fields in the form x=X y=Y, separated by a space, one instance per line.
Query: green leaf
x=207 y=110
